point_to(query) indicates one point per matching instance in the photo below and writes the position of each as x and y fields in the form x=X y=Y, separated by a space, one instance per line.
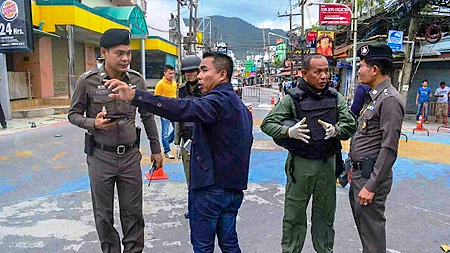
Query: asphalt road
x=45 y=201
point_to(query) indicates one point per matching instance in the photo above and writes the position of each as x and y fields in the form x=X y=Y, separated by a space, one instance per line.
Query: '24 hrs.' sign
x=16 y=31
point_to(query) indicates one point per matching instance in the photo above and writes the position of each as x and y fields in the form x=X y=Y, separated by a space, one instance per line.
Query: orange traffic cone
x=158 y=174
x=272 y=101
x=419 y=125
x=250 y=108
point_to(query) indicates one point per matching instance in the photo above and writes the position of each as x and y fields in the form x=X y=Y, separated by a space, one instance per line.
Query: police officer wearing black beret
x=112 y=143
x=373 y=149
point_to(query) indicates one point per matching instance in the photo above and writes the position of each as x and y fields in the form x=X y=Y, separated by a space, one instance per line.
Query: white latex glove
x=178 y=151
x=298 y=131
x=330 y=130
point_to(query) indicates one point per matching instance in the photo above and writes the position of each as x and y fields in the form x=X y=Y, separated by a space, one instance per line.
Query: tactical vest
x=187 y=128
x=324 y=108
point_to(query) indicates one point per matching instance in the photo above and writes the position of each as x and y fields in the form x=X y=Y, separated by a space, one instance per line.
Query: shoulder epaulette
x=134 y=72
x=89 y=73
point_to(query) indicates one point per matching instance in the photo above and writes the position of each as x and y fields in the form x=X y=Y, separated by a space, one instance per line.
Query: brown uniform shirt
x=91 y=95
x=379 y=129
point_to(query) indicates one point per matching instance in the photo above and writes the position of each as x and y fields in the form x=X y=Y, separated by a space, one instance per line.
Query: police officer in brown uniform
x=112 y=144
x=373 y=149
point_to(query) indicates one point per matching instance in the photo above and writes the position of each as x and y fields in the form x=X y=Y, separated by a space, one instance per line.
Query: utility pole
x=302 y=32
x=290 y=36
x=290 y=40
x=264 y=54
x=180 y=40
x=71 y=60
x=194 y=29
x=407 y=64
x=190 y=27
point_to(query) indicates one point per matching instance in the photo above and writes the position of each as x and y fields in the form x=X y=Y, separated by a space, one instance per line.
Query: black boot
x=4 y=125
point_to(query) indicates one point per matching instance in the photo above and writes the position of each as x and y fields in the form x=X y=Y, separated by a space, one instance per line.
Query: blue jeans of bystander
x=422 y=106
x=166 y=138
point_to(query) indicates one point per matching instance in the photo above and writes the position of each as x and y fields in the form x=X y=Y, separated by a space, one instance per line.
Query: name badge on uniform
x=102 y=90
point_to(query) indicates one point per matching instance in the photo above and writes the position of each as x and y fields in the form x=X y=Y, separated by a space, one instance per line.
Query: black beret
x=114 y=37
x=369 y=51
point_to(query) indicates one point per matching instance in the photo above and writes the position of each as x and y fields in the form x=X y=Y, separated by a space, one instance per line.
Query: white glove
x=178 y=151
x=298 y=131
x=330 y=130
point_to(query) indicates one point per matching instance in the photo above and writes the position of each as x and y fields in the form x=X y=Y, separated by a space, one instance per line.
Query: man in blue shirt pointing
x=422 y=99
x=220 y=152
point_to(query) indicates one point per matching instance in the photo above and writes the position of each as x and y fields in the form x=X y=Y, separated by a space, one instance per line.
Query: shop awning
x=133 y=15
x=39 y=32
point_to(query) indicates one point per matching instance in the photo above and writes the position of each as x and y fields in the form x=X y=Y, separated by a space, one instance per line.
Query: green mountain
x=241 y=36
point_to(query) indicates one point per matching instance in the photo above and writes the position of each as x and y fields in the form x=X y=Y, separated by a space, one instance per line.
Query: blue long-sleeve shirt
x=222 y=139
x=358 y=100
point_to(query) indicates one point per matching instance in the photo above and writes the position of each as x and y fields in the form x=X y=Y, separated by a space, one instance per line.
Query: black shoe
x=186 y=215
x=4 y=125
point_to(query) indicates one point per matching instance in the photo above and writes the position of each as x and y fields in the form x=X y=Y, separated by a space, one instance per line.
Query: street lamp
x=354 y=28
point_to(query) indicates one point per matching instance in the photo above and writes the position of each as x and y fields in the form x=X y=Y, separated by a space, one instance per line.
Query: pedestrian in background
x=312 y=143
x=99 y=61
x=373 y=149
x=358 y=98
x=112 y=144
x=184 y=130
x=442 y=93
x=167 y=87
x=2 y=114
x=221 y=148
x=422 y=99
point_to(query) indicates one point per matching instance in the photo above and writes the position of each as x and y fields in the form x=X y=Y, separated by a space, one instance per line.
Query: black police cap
x=114 y=37
x=379 y=51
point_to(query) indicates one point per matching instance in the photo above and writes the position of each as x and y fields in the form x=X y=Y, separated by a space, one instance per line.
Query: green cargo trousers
x=186 y=158
x=306 y=177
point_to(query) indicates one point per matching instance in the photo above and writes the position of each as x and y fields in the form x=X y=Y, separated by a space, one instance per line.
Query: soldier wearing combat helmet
x=184 y=130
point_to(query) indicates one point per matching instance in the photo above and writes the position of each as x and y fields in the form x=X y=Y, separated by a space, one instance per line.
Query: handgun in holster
x=88 y=143
x=138 y=137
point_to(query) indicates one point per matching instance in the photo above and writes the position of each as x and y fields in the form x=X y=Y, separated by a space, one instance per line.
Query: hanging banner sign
x=334 y=14
x=16 y=29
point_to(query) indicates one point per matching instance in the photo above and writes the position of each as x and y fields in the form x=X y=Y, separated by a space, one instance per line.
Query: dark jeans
x=213 y=210
x=2 y=116
x=422 y=108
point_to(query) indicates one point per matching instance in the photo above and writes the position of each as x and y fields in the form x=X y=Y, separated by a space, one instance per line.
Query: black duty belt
x=120 y=149
x=357 y=165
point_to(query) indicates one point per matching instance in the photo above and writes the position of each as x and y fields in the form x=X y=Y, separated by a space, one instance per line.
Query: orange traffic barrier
x=158 y=174
x=250 y=108
x=272 y=101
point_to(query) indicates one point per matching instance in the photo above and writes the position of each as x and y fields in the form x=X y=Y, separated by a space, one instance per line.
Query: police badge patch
x=364 y=50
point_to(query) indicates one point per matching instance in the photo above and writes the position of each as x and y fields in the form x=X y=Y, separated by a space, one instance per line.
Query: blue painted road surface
x=45 y=201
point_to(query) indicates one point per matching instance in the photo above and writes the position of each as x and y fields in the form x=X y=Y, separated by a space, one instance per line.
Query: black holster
x=88 y=143
x=138 y=136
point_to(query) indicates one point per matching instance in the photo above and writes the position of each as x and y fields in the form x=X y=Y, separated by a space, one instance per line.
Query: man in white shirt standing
x=442 y=93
